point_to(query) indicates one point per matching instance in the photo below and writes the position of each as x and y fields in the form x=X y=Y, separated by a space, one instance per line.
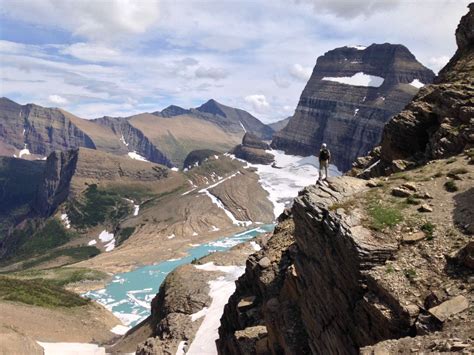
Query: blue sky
x=120 y=57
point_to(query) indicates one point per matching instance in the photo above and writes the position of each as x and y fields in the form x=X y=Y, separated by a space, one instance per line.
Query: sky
x=122 y=57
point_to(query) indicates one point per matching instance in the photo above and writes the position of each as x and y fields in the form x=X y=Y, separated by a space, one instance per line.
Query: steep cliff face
x=133 y=140
x=438 y=123
x=40 y=130
x=57 y=175
x=350 y=96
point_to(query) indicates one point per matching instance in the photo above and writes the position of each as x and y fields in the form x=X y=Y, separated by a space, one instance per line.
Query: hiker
x=324 y=158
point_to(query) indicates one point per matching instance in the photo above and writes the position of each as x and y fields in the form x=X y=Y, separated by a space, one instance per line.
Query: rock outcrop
x=196 y=157
x=438 y=123
x=350 y=96
x=253 y=150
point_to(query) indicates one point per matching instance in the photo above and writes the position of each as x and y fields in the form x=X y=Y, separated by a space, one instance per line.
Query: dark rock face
x=253 y=149
x=54 y=188
x=136 y=140
x=43 y=130
x=233 y=119
x=350 y=118
x=197 y=157
x=313 y=294
x=171 y=111
x=438 y=123
x=279 y=125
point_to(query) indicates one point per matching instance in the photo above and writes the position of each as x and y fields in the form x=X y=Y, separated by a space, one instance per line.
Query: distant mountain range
x=352 y=93
x=166 y=137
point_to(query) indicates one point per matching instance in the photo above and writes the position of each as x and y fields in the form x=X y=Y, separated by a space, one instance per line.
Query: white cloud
x=92 y=52
x=211 y=73
x=56 y=99
x=102 y=21
x=299 y=72
x=437 y=63
x=351 y=8
x=259 y=102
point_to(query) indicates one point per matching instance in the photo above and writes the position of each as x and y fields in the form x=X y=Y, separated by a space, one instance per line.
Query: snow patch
x=187 y=192
x=122 y=139
x=214 y=229
x=105 y=236
x=220 y=291
x=120 y=329
x=71 y=349
x=92 y=242
x=255 y=246
x=241 y=125
x=181 y=347
x=358 y=47
x=134 y=155
x=65 y=220
x=199 y=314
x=171 y=236
x=136 y=208
x=174 y=169
x=358 y=79
x=356 y=111
x=24 y=151
x=417 y=83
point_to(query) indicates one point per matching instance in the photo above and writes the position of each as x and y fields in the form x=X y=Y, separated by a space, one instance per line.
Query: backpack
x=323 y=154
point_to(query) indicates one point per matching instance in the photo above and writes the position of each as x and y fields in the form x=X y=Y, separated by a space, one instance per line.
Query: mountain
x=381 y=266
x=177 y=131
x=32 y=131
x=352 y=93
x=279 y=125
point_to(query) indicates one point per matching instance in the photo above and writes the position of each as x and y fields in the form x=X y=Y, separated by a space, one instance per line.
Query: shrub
x=428 y=228
x=451 y=186
x=383 y=216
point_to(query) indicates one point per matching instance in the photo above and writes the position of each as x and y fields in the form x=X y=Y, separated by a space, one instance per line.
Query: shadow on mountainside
x=463 y=214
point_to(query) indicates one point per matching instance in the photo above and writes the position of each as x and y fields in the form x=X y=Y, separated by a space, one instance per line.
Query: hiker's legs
x=320 y=177
x=326 y=170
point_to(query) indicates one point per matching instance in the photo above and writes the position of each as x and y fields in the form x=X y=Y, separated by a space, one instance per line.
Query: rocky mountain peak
x=465 y=29
x=352 y=93
x=172 y=111
x=213 y=107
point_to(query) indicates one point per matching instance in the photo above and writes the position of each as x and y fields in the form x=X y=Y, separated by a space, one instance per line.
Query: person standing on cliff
x=324 y=158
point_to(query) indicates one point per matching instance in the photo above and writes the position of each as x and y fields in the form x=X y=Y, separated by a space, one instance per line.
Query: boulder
x=448 y=308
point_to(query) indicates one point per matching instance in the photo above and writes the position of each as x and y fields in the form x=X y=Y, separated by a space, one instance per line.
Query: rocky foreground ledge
x=332 y=280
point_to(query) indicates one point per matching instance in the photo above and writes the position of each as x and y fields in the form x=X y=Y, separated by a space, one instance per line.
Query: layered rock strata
x=253 y=150
x=350 y=96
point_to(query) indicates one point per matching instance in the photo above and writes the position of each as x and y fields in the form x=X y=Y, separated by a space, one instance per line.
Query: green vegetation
x=75 y=253
x=61 y=276
x=33 y=241
x=124 y=234
x=346 y=205
x=382 y=216
x=41 y=293
x=451 y=160
x=135 y=192
x=97 y=206
x=410 y=273
x=451 y=186
x=438 y=175
x=389 y=269
x=428 y=228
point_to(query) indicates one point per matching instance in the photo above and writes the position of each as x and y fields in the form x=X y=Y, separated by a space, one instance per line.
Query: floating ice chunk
x=417 y=83
x=358 y=79
x=136 y=156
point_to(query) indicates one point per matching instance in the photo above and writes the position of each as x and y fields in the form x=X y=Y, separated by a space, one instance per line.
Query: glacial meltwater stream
x=129 y=294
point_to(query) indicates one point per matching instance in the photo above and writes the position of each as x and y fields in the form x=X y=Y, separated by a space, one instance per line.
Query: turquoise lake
x=129 y=294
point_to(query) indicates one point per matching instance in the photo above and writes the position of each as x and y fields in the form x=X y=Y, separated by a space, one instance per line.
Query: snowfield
x=291 y=174
x=358 y=79
x=71 y=349
x=136 y=156
x=417 y=83
x=220 y=291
